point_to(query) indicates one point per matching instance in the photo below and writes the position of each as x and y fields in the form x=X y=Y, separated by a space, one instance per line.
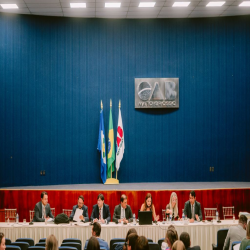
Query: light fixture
x=180 y=4
x=112 y=5
x=147 y=4
x=9 y=6
x=77 y=5
x=215 y=4
x=245 y=4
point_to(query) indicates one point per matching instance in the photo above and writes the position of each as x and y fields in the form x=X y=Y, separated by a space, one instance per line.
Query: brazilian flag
x=111 y=147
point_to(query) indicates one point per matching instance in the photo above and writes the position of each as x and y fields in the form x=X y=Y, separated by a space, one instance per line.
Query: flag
x=111 y=148
x=120 y=143
x=101 y=147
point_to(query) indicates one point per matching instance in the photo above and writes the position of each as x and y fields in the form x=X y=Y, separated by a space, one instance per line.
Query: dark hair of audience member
x=178 y=245
x=130 y=231
x=171 y=237
x=51 y=243
x=184 y=237
x=93 y=244
x=132 y=238
x=97 y=229
x=2 y=241
x=248 y=230
x=141 y=243
x=243 y=219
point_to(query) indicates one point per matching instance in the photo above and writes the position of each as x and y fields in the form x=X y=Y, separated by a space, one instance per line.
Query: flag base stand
x=111 y=181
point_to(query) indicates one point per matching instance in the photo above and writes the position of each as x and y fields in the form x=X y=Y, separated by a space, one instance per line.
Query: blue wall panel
x=54 y=72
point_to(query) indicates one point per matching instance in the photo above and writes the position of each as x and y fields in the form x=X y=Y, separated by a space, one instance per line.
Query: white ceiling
x=129 y=9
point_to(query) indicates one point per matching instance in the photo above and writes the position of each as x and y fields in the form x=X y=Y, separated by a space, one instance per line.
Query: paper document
x=50 y=219
x=78 y=213
x=237 y=247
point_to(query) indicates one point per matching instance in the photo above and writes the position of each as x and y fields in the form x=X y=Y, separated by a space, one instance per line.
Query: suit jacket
x=39 y=213
x=117 y=213
x=188 y=212
x=235 y=233
x=102 y=243
x=84 y=212
x=106 y=213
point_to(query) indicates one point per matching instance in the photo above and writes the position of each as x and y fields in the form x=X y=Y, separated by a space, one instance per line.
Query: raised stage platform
x=209 y=194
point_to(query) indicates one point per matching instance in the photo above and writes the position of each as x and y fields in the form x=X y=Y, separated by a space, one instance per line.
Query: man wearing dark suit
x=192 y=208
x=42 y=209
x=80 y=205
x=123 y=211
x=96 y=231
x=100 y=211
x=184 y=237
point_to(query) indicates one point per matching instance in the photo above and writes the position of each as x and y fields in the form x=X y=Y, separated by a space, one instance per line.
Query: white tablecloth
x=202 y=233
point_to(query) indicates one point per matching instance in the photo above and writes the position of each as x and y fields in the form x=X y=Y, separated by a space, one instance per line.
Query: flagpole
x=112 y=163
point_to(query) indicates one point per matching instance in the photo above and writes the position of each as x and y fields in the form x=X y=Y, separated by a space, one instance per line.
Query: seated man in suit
x=236 y=233
x=192 y=208
x=80 y=205
x=184 y=237
x=123 y=211
x=42 y=209
x=96 y=231
x=100 y=211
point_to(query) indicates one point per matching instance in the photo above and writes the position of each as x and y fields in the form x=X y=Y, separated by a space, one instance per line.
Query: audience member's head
x=130 y=231
x=178 y=245
x=96 y=229
x=142 y=243
x=51 y=243
x=248 y=230
x=2 y=241
x=93 y=244
x=184 y=237
x=131 y=242
x=171 y=237
x=243 y=221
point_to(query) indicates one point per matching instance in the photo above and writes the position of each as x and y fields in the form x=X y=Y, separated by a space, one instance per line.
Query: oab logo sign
x=156 y=92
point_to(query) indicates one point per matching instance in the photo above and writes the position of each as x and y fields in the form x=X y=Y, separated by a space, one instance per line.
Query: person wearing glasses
x=80 y=205
x=172 y=207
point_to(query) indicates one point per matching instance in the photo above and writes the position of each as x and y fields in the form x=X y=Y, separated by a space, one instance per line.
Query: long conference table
x=201 y=233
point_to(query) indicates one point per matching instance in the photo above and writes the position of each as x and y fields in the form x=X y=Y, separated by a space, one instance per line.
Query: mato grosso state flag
x=120 y=143
x=111 y=148
x=101 y=147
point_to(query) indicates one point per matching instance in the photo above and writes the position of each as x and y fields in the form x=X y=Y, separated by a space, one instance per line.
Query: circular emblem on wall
x=144 y=91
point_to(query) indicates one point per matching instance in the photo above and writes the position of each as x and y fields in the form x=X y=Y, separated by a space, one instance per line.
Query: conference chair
x=221 y=236
x=72 y=240
x=31 y=212
x=12 y=247
x=228 y=212
x=116 y=244
x=42 y=240
x=41 y=244
x=247 y=248
x=153 y=246
x=160 y=241
x=28 y=240
x=7 y=241
x=210 y=213
x=149 y=240
x=235 y=243
x=67 y=248
x=11 y=214
x=22 y=245
x=67 y=211
x=112 y=241
x=78 y=246
x=36 y=248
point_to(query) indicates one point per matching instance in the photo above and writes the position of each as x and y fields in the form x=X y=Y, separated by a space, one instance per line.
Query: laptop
x=145 y=217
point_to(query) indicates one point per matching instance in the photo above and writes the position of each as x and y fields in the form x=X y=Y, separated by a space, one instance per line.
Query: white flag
x=120 y=143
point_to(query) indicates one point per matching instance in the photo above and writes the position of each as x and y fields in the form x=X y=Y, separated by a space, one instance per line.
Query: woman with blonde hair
x=178 y=245
x=246 y=241
x=172 y=207
x=171 y=237
x=149 y=206
x=51 y=243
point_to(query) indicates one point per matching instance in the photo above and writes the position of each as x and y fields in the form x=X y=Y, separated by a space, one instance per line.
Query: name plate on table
x=156 y=92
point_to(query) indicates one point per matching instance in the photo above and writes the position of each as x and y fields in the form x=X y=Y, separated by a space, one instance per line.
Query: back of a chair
x=28 y=240
x=21 y=244
x=72 y=244
x=36 y=248
x=53 y=211
x=160 y=241
x=247 y=248
x=7 y=241
x=112 y=241
x=32 y=212
x=210 y=213
x=12 y=247
x=221 y=236
x=149 y=240
x=72 y=240
x=41 y=244
x=11 y=214
x=120 y=244
x=228 y=212
x=67 y=248
x=235 y=243
x=153 y=246
x=42 y=240
x=67 y=211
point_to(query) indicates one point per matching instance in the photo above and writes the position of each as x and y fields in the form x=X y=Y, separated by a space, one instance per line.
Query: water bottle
x=183 y=216
x=170 y=218
x=8 y=221
x=217 y=215
x=233 y=219
x=134 y=220
x=17 y=218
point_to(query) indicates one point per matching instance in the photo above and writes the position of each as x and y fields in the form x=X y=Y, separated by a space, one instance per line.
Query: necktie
x=44 y=213
x=100 y=215
x=193 y=211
